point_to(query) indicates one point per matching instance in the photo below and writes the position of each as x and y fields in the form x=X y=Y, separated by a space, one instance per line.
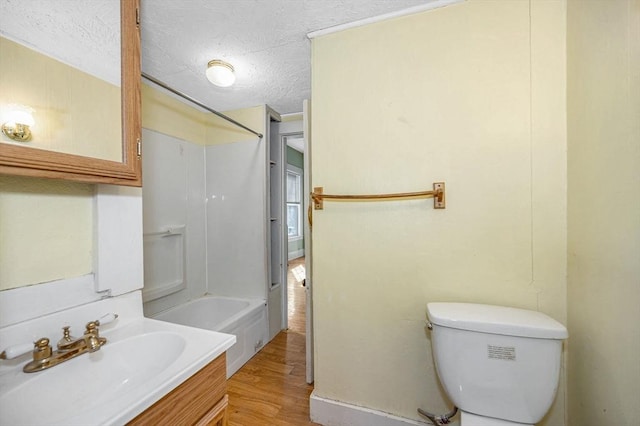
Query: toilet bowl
x=500 y=366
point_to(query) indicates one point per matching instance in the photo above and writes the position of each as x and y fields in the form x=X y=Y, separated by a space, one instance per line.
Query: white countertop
x=142 y=361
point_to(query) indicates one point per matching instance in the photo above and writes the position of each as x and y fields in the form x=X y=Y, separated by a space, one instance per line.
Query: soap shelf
x=164 y=260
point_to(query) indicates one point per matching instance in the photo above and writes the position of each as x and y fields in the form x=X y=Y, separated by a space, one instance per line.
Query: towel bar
x=438 y=193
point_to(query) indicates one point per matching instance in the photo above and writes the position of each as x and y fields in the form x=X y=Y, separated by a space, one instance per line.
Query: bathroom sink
x=139 y=364
x=93 y=378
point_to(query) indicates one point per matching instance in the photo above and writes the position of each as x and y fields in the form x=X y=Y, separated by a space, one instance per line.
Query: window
x=294 y=204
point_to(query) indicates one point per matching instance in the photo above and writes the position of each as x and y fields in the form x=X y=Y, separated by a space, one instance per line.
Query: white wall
x=174 y=195
x=471 y=94
x=236 y=218
x=229 y=150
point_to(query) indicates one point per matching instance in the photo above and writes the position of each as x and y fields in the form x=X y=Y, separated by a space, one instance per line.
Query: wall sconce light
x=17 y=122
x=220 y=73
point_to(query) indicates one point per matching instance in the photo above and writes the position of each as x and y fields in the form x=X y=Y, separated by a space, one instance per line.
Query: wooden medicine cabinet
x=77 y=118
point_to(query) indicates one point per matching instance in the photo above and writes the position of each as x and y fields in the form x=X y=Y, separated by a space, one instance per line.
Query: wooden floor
x=271 y=389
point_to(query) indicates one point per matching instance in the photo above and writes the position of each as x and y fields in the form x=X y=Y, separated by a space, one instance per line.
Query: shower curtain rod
x=190 y=99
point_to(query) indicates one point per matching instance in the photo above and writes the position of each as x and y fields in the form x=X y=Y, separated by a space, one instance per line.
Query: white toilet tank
x=497 y=361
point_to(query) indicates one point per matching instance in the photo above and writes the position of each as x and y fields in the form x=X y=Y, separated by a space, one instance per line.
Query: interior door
x=306 y=111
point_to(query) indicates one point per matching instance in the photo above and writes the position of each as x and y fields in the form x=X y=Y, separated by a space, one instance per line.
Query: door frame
x=308 y=242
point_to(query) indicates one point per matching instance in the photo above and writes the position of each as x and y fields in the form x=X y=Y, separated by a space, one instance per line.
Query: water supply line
x=439 y=420
x=442 y=419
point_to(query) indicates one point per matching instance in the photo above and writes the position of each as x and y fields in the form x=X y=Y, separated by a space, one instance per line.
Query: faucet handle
x=106 y=319
x=92 y=327
x=41 y=349
x=16 y=350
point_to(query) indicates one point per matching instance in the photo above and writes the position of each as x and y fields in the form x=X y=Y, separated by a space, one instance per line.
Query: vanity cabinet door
x=193 y=401
x=217 y=416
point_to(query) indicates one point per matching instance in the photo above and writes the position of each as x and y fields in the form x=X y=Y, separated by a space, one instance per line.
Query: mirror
x=71 y=72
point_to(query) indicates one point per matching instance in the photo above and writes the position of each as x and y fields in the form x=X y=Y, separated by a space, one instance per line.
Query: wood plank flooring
x=270 y=389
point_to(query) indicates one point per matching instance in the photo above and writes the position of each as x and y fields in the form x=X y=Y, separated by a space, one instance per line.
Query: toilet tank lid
x=496 y=320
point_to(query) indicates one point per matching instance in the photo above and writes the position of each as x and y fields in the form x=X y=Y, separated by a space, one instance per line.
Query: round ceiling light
x=220 y=73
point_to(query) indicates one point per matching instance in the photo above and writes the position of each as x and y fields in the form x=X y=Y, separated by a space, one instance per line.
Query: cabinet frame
x=25 y=161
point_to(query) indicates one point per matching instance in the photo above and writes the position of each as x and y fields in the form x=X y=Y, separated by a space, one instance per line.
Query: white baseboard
x=295 y=254
x=329 y=412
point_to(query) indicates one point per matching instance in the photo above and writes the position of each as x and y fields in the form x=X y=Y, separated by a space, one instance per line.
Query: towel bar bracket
x=438 y=199
x=318 y=199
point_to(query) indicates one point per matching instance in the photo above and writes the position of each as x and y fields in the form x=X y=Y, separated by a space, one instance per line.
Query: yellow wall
x=603 y=49
x=74 y=112
x=165 y=114
x=46 y=229
x=46 y=226
x=296 y=116
x=220 y=131
x=473 y=95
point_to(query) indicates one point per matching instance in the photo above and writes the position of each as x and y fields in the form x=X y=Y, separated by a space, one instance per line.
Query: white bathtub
x=245 y=318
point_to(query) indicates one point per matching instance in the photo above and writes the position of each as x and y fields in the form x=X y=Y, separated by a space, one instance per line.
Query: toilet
x=499 y=365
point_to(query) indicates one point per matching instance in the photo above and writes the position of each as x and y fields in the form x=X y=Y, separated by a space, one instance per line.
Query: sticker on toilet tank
x=507 y=353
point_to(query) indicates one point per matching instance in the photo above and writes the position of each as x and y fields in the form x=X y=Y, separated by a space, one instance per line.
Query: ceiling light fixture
x=220 y=73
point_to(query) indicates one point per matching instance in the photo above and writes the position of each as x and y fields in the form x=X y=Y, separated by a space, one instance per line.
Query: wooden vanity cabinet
x=200 y=400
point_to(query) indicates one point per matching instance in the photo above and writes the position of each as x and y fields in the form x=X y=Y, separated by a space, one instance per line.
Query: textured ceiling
x=87 y=37
x=265 y=40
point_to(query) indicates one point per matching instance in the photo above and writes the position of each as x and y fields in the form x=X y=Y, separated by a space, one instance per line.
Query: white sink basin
x=93 y=378
x=141 y=362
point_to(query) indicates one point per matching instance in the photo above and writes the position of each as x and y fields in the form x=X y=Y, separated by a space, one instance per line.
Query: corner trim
x=391 y=15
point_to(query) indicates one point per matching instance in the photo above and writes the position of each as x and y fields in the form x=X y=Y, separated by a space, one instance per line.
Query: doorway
x=293 y=143
x=296 y=303
x=293 y=208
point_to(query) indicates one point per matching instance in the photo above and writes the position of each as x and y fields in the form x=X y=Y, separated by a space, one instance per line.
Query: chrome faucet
x=68 y=347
